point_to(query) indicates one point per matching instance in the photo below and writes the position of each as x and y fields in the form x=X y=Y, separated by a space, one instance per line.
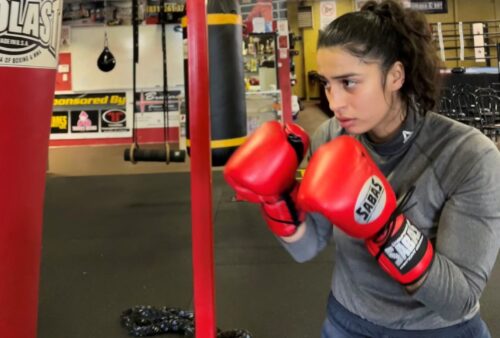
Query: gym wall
x=87 y=44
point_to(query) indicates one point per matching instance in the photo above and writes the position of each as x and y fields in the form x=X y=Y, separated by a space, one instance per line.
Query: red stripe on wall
x=150 y=135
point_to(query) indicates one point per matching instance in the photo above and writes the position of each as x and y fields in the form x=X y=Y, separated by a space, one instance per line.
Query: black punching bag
x=227 y=88
x=106 y=61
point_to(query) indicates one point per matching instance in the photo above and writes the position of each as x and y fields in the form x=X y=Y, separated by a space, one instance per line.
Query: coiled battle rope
x=145 y=320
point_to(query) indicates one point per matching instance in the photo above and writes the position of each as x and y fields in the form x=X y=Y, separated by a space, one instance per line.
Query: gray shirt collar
x=402 y=140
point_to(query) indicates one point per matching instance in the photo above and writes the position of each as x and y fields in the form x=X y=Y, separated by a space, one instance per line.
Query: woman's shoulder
x=442 y=132
x=456 y=150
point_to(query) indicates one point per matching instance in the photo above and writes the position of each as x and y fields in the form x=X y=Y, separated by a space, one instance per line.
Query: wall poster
x=90 y=115
x=149 y=109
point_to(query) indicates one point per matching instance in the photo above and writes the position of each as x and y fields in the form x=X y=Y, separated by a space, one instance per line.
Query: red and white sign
x=63 y=76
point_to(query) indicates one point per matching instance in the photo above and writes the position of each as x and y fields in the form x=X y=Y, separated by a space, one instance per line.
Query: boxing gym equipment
x=474 y=105
x=275 y=188
x=28 y=64
x=141 y=321
x=357 y=198
x=146 y=320
x=227 y=86
x=106 y=61
x=201 y=171
x=469 y=94
x=475 y=41
x=135 y=154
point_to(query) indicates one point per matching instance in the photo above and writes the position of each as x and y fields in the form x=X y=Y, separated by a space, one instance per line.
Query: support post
x=201 y=174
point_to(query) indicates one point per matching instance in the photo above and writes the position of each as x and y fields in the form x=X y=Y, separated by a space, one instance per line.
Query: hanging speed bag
x=227 y=88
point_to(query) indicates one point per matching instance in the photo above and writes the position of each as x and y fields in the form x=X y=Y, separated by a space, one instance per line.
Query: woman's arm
x=467 y=242
x=311 y=238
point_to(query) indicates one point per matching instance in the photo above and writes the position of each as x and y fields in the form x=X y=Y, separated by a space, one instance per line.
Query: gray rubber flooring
x=113 y=242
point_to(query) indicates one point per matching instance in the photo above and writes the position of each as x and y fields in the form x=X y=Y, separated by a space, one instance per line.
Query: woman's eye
x=348 y=83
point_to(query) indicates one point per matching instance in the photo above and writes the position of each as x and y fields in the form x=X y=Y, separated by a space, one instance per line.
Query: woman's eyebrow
x=337 y=77
x=343 y=76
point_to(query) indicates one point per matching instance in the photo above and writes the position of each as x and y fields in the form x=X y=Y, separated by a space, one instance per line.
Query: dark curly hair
x=387 y=32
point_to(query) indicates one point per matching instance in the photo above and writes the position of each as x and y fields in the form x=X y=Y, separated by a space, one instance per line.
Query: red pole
x=284 y=80
x=201 y=169
x=286 y=88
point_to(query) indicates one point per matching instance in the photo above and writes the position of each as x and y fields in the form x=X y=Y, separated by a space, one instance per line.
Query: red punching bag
x=29 y=32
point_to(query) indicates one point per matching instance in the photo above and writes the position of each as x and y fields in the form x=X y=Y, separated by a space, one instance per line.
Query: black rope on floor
x=145 y=320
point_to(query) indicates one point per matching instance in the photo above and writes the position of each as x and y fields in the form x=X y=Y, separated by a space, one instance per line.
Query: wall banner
x=174 y=11
x=92 y=115
x=149 y=109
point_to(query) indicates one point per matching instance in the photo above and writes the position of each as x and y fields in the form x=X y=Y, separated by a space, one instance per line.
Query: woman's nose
x=336 y=100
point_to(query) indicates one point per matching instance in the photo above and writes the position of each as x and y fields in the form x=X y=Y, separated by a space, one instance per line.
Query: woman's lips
x=346 y=122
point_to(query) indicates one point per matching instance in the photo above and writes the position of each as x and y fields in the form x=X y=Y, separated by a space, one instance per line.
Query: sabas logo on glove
x=371 y=201
x=29 y=33
x=405 y=246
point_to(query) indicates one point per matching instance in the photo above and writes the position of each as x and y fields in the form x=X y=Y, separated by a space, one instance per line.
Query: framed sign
x=426 y=6
x=431 y=7
x=305 y=17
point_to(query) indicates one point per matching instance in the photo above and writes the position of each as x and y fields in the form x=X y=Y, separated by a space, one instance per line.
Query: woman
x=380 y=73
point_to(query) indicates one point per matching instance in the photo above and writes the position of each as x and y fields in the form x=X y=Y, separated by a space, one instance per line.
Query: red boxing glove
x=344 y=184
x=262 y=170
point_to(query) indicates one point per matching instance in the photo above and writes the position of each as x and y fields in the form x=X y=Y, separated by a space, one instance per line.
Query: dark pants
x=341 y=323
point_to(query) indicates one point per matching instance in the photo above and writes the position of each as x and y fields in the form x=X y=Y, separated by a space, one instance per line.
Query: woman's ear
x=396 y=76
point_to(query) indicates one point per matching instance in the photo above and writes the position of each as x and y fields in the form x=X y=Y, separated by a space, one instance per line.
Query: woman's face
x=357 y=95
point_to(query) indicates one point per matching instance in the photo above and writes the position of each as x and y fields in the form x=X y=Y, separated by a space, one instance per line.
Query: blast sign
x=29 y=32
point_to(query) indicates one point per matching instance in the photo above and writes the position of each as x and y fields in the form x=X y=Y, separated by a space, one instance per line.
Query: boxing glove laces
x=400 y=248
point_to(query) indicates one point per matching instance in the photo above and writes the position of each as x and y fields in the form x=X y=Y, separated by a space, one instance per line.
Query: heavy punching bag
x=30 y=33
x=227 y=87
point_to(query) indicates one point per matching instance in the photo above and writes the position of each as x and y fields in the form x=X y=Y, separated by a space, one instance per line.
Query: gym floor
x=118 y=235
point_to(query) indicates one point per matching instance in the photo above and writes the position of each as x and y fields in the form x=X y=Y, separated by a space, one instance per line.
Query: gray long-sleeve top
x=456 y=173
